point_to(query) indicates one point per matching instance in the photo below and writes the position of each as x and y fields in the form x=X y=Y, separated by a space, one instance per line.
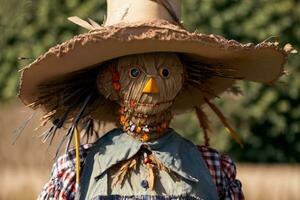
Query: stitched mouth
x=151 y=105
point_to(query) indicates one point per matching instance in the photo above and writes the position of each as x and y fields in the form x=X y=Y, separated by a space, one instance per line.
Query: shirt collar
x=176 y=153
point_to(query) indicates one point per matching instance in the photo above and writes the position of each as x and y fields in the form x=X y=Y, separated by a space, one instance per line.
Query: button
x=145 y=184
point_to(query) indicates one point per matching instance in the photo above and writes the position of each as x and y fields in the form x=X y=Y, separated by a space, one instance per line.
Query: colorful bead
x=122 y=119
x=138 y=129
x=145 y=137
x=132 y=127
x=117 y=86
x=132 y=103
x=146 y=129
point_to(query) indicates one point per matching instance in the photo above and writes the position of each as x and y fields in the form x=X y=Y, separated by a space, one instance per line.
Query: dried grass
x=274 y=182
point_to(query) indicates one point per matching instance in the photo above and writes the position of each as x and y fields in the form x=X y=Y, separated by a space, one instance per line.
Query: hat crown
x=129 y=11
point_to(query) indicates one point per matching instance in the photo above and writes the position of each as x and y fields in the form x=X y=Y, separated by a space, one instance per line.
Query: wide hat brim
x=260 y=63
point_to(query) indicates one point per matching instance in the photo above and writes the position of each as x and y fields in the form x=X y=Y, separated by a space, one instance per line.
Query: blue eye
x=134 y=72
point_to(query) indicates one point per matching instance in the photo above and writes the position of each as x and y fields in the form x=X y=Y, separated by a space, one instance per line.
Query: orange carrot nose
x=151 y=86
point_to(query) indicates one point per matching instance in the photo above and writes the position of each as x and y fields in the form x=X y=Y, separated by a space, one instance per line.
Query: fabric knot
x=232 y=188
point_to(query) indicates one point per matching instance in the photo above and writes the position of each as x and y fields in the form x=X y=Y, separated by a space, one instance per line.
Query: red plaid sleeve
x=61 y=185
x=223 y=172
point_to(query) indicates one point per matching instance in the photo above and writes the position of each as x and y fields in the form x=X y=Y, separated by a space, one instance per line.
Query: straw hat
x=134 y=27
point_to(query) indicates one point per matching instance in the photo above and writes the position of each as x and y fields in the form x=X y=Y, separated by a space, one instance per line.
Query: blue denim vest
x=176 y=153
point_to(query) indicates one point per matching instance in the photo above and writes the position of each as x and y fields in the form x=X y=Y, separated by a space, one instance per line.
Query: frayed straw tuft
x=223 y=119
x=204 y=123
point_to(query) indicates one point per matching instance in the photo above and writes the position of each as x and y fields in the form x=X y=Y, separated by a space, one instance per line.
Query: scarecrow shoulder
x=62 y=179
x=223 y=172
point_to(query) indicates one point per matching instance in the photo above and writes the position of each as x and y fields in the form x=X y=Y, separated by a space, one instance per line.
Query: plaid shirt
x=222 y=169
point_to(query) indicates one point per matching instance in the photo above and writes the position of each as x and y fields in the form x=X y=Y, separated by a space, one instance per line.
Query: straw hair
x=64 y=99
x=60 y=98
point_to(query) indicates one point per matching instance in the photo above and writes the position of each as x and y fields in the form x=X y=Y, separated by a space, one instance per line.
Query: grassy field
x=25 y=166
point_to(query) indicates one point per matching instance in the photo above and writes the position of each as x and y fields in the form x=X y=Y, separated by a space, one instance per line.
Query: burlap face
x=124 y=81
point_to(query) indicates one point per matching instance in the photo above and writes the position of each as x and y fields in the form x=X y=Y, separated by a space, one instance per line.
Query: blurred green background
x=266 y=117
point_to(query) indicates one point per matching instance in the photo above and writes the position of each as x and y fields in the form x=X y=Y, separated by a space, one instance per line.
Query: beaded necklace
x=141 y=131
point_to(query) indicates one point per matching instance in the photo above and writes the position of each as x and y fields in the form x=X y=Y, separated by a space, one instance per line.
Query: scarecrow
x=138 y=70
